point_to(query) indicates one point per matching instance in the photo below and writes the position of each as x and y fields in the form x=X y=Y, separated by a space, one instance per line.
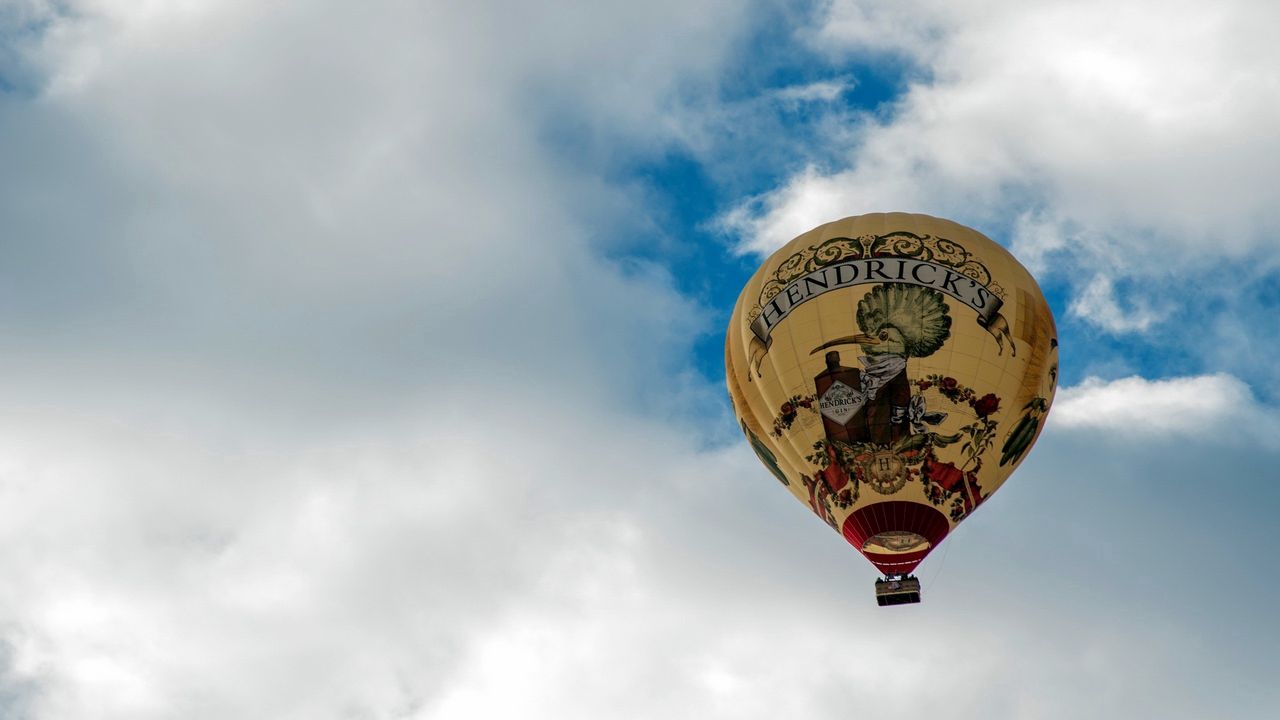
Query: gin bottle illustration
x=841 y=401
x=897 y=322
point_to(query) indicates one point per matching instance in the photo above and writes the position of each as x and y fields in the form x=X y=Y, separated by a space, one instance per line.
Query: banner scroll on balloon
x=925 y=261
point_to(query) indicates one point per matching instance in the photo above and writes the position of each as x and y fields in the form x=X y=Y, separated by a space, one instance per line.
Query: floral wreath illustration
x=843 y=468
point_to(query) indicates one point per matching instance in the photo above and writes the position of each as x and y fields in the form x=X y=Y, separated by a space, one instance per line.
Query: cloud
x=313 y=368
x=823 y=90
x=324 y=397
x=1049 y=126
x=167 y=572
x=1217 y=406
x=1097 y=304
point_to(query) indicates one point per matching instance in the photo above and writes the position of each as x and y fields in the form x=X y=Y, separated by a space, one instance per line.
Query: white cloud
x=159 y=575
x=1135 y=136
x=1205 y=407
x=312 y=368
x=1097 y=303
x=824 y=90
x=319 y=401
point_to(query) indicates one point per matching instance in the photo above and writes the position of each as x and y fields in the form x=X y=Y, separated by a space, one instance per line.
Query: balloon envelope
x=891 y=371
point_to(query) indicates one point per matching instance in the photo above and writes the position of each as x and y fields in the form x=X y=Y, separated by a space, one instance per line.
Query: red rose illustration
x=985 y=405
x=948 y=383
x=788 y=408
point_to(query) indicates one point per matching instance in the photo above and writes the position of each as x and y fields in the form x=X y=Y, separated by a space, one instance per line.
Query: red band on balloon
x=895 y=515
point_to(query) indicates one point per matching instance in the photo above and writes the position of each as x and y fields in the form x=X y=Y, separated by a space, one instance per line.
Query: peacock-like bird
x=908 y=321
x=897 y=322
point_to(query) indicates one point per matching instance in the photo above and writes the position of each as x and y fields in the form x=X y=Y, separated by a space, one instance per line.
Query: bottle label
x=841 y=402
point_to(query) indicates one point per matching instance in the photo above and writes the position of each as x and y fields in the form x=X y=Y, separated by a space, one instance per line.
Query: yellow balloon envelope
x=891 y=371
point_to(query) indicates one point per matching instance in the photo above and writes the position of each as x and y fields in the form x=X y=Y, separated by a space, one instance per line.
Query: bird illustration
x=902 y=320
x=897 y=322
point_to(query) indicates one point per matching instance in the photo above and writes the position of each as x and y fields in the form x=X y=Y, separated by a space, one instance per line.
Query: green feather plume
x=918 y=313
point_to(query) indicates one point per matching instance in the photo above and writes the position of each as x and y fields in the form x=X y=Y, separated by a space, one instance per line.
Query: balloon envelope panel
x=891 y=371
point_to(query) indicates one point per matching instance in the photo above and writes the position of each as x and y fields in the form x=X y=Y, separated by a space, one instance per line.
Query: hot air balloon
x=891 y=371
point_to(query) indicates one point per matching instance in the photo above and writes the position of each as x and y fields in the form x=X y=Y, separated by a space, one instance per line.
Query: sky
x=364 y=360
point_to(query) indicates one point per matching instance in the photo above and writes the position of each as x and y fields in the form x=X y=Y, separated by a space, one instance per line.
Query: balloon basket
x=898 y=590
